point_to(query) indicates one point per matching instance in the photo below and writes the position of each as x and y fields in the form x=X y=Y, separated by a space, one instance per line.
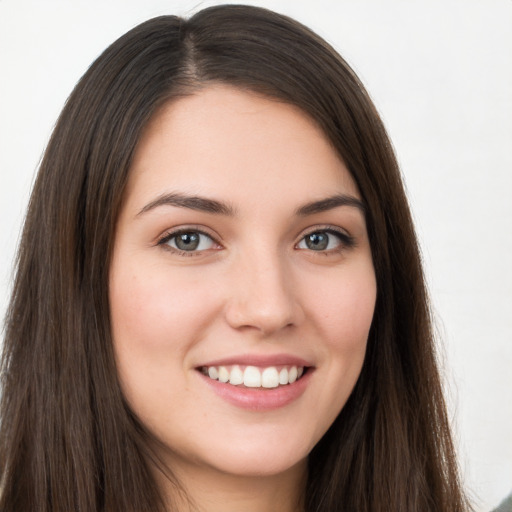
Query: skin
x=254 y=287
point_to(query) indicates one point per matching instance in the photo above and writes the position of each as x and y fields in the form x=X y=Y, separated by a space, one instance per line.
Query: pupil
x=317 y=241
x=187 y=241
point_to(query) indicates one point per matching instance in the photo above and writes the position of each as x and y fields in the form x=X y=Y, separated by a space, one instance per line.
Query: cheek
x=341 y=310
x=150 y=311
x=139 y=328
x=343 y=313
x=139 y=311
x=154 y=321
x=344 y=309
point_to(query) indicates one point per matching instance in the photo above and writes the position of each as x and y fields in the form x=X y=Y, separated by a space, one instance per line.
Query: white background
x=440 y=73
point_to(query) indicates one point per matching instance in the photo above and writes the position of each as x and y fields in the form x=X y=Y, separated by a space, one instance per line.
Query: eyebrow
x=198 y=203
x=330 y=203
x=214 y=206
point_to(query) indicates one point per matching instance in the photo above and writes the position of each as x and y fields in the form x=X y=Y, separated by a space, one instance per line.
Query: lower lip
x=260 y=399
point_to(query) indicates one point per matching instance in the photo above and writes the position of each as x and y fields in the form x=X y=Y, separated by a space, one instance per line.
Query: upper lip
x=259 y=360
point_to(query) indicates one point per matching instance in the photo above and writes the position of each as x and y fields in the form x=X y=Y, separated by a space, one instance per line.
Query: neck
x=207 y=490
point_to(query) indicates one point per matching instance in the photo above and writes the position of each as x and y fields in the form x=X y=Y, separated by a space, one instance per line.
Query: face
x=242 y=287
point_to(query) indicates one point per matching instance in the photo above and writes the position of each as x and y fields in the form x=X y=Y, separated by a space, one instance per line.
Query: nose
x=262 y=296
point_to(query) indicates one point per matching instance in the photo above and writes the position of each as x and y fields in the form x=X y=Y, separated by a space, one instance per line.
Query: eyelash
x=346 y=241
x=184 y=231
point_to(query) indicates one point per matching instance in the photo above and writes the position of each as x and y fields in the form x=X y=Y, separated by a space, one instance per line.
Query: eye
x=325 y=240
x=188 y=241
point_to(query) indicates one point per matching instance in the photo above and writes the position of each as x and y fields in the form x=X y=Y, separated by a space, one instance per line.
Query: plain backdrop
x=440 y=73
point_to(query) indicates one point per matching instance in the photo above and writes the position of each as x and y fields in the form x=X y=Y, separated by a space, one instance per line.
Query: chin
x=259 y=467
x=253 y=456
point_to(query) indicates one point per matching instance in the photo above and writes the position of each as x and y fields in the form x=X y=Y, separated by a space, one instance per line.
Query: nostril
x=267 y=319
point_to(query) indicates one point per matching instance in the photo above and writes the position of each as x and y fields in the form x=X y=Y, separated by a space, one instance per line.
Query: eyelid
x=347 y=241
x=169 y=234
x=324 y=227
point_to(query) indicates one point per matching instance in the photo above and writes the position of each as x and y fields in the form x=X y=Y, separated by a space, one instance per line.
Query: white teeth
x=223 y=374
x=254 y=377
x=236 y=377
x=283 y=376
x=270 y=378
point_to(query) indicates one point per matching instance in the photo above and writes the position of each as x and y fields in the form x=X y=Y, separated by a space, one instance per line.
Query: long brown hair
x=68 y=440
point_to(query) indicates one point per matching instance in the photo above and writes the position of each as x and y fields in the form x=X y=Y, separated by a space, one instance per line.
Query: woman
x=219 y=302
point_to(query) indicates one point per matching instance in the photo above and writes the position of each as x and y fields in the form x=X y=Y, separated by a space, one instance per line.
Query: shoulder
x=505 y=506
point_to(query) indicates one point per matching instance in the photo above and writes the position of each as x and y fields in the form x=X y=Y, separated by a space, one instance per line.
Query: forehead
x=228 y=142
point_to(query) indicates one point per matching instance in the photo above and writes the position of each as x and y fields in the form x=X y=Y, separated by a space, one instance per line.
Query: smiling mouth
x=270 y=377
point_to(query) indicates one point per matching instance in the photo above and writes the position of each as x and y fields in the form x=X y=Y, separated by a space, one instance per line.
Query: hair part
x=68 y=439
